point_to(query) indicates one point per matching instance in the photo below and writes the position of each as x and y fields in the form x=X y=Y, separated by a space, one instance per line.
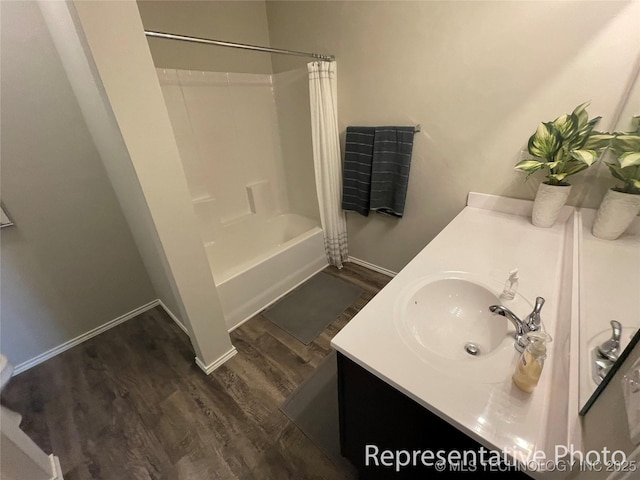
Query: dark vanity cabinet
x=373 y=415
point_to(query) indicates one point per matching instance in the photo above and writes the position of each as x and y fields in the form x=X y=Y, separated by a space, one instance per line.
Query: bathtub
x=255 y=260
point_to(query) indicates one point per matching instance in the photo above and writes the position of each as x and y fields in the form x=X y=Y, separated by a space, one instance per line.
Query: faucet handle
x=609 y=349
x=533 y=320
x=616 y=331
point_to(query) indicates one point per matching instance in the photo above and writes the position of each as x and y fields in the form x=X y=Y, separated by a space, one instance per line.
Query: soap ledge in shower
x=261 y=198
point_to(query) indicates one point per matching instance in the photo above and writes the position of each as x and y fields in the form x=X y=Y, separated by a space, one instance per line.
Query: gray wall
x=70 y=263
x=233 y=21
x=478 y=76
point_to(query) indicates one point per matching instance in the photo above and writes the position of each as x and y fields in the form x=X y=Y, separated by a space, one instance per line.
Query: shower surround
x=261 y=240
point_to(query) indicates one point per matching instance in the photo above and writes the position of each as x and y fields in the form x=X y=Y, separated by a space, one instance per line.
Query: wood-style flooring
x=132 y=404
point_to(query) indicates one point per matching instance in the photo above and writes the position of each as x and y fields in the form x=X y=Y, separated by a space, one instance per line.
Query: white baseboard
x=83 y=338
x=56 y=470
x=112 y=323
x=173 y=317
x=205 y=368
x=215 y=364
x=373 y=267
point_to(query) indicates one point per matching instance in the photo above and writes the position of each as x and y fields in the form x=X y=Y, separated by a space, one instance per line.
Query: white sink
x=445 y=320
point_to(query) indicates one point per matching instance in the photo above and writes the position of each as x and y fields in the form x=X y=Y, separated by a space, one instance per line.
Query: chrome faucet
x=605 y=355
x=530 y=324
x=533 y=319
x=610 y=348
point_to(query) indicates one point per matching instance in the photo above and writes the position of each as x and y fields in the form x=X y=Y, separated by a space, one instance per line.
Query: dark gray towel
x=390 y=169
x=356 y=177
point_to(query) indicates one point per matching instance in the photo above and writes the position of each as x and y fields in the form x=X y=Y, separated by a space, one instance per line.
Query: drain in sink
x=472 y=349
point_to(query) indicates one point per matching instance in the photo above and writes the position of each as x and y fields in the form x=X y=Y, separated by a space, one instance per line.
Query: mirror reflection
x=609 y=273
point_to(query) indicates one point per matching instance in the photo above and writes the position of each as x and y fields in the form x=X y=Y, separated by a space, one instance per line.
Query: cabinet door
x=375 y=415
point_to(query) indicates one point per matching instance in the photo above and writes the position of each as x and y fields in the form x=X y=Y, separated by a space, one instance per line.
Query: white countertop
x=486 y=243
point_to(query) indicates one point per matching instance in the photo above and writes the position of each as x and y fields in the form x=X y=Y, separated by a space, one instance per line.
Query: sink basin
x=447 y=315
x=445 y=320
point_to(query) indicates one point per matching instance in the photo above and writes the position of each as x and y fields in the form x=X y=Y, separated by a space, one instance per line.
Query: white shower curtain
x=326 y=158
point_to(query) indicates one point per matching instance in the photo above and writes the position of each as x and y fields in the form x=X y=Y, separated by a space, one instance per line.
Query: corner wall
x=478 y=77
x=108 y=60
x=70 y=263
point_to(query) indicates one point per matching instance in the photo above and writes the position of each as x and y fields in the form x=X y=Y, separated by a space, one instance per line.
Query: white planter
x=549 y=201
x=615 y=214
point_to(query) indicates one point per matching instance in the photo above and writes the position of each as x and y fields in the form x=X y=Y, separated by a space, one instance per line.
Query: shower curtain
x=326 y=158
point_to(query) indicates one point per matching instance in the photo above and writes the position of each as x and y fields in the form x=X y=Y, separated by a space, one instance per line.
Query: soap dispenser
x=511 y=285
x=530 y=363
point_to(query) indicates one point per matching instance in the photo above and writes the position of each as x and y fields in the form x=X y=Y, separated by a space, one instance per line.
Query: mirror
x=609 y=275
x=607 y=379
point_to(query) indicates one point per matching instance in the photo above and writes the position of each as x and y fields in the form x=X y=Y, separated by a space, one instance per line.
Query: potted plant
x=563 y=148
x=621 y=204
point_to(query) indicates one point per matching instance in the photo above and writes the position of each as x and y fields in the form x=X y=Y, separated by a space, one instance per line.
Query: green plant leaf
x=545 y=142
x=530 y=166
x=560 y=156
x=581 y=113
x=629 y=159
x=625 y=143
x=552 y=165
x=574 y=168
x=598 y=141
x=567 y=125
x=558 y=176
x=634 y=127
x=582 y=135
x=585 y=156
x=635 y=183
x=617 y=172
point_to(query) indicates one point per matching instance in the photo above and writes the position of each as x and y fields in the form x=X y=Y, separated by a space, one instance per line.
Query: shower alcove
x=245 y=144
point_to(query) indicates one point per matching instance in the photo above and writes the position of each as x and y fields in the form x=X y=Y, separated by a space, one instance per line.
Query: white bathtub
x=256 y=260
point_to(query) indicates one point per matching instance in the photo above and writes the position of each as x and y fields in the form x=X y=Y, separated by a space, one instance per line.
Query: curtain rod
x=206 y=41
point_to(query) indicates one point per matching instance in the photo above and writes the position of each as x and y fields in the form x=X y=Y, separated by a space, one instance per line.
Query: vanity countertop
x=482 y=240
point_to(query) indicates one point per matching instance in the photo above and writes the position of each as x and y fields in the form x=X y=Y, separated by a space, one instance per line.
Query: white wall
x=111 y=148
x=478 y=76
x=122 y=71
x=291 y=90
x=232 y=21
x=70 y=263
x=226 y=128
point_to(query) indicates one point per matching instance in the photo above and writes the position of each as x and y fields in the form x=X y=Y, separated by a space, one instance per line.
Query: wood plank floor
x=131 y=403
